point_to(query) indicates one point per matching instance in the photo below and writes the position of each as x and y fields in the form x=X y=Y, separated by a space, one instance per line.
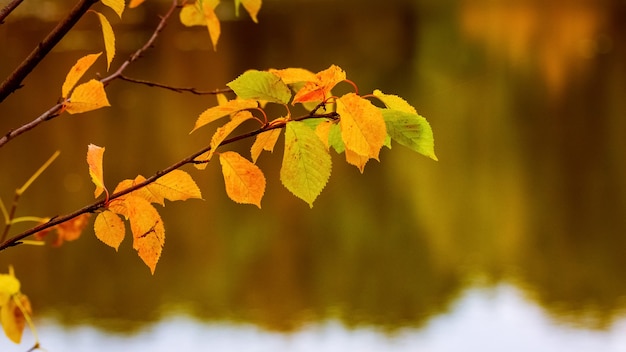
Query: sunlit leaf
x=394 y=102
x=323 y=131
x=9 y=286
x=294 y=75
x=13 y=318
x=252 y=6
x=261 y=85
x=202 y=13
x=362 y=125
x=264 y=141
x=76 y=72
x=216 y=112
x=134 y=3
x=319 y=90
x=148 y=230
x=245 y=182
x=227 y=129
x=94 y=160
x=109 y=37
x=116 y=5
x=109 y=228
x=410 y=130
x=306 y=163
x=86 y=97
x=176 y=185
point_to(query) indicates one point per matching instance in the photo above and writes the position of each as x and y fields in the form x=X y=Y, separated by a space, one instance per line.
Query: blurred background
x=514 y=240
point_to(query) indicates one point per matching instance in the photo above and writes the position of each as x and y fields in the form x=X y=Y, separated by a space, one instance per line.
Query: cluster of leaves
x=358 y=126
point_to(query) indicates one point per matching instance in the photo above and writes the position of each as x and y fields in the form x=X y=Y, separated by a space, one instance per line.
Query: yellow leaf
x=109 y=228
x=294 y=75
x=323 y=131
x=362 y=125
x=9 y=286
x=86 y=97
x=355 y=159
x=227 y=129
x=202 y=14
x=245 y=182
x=109 y=37
x=226 y=108
x=94 y=160
x=319 y=90
x=116 y=5
x=76 y=72
x=264 y=141
x=147 y=228
x=202 y=157
x=252 y=6
x=135 y=3
x=13 y=318
x=394 y=102
x=176 y=185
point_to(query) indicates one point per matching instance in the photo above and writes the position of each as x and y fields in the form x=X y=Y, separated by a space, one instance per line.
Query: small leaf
x=13 y=318
x=176 y=185
x=319 y=90
x=76 y=72
x=261 y=85
x=70 y=230
x=227 y=129
x=94 y=160
x=227 y=108
x=109 y=37
x=306 y=162
x=410 y=130
x=109 y=228
x=245 y=182
x=323 y=131
x=135 y=3
x=116 y=5
x=9 y=286
x=148 y=230
x=264 y=141
x=294 y=75
x=394 y=102
x=362 y=125
x=86 y=97
x=251 y=6
x=202 y=13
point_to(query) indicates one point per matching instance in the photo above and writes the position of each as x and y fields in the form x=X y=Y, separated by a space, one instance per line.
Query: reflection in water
x=529 y=187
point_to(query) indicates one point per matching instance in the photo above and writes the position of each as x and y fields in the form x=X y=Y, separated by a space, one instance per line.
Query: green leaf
x=306 y=162
x=261 y=85
x=410 y=130
x=335 y=140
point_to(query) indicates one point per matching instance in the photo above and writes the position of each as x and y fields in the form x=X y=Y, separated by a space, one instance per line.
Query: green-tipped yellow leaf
x=410 y=130
x=261 y=85
x=394 y=102
x=306 y=162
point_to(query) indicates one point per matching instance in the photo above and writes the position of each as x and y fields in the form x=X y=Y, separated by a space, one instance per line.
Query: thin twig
x=8 y=9
x=175 y=89
x=191 y=159
x=14 y=81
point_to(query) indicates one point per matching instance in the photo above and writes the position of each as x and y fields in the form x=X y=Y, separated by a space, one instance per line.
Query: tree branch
x=8 y=9
x=14 y=81
x=175 y=89
x=16 y=240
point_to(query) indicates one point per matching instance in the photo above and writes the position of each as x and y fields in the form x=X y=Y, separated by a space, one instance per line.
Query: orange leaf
x=264 y=141
x=71 y=230
x=323 y=131
x=76 y=72
x=147 y=228
x=135 y=3
x=86 y=97
x=176 y=185
x=109 y=37
x=294 y=75
x=109 y=228
x=227 y=129
x=245 y=182
x=319 y=89
x=362 y=125
x=13 y=318
x=94 y=160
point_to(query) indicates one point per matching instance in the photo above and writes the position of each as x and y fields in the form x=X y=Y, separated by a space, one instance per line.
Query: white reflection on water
x=483 y=320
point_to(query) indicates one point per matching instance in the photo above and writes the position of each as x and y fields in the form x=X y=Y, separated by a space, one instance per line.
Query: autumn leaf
x=410 y=130
x=86 y=97
x=202 y=13
x=116 y=5
x=134 y=3
x=76 y=72
x=227 y=129
x=362 y=125
x=147 y=229
x=252 y=6
x=109 y=228
x=109 y=37
x=94 y=161
x=261 y=85
x=176 y=185
x=9 y=286
x=70 y=230
x=13 y=316
x=319 y=89
x=216 y=112
x=245 y=182
x=294 y=75
x=306 y=163
x=264 y=141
